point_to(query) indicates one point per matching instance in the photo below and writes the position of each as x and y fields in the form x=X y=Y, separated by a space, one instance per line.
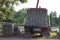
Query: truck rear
x=36 y=22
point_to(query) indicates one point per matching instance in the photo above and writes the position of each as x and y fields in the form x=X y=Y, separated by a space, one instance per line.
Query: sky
x=50 y=5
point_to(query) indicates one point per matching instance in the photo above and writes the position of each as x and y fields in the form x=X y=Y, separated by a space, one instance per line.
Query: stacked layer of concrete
x=36 y=17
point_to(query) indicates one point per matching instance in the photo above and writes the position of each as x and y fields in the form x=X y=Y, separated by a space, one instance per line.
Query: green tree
x=58 y=21
x=53 y=18
x=6 y=9
x=20 y=15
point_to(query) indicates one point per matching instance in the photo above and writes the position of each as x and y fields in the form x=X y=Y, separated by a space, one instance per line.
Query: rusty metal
x=37 y=3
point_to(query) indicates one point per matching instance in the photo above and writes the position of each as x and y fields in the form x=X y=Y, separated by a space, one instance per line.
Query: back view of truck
x=36 y=21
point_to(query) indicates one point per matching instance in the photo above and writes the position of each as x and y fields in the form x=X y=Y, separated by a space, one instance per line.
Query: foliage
x=22 y=1
x=20 y=15
x=58 y=21
x=53 y=18
x=6 y=9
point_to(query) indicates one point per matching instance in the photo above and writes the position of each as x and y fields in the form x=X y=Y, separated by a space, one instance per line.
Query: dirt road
x=25 y=39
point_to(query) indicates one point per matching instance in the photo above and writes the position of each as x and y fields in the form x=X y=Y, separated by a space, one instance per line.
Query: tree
x=20 y=15
x=58 y=21
x=53 y=18
x=6 y=9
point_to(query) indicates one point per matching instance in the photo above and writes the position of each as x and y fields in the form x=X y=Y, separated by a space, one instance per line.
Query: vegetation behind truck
x=36 y=22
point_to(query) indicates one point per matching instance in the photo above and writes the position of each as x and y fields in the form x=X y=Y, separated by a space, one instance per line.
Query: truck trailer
x=36 y=24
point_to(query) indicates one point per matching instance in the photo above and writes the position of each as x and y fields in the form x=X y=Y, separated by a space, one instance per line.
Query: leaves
x=6 y=9
x=20 y=15
x=22 y=1
x=53 y=18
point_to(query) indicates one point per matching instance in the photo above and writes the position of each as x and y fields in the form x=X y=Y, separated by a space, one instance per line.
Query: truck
x=36 y=22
